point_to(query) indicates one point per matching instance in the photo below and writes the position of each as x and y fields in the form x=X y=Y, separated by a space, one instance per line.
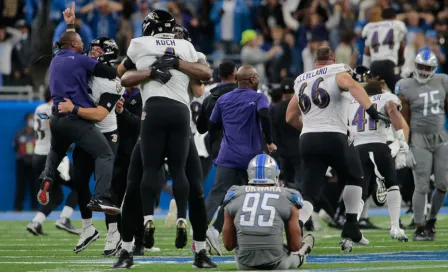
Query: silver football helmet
x=263 y=169
x=425 y=64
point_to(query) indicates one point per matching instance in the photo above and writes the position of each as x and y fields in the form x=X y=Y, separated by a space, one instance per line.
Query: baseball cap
x=287 y=85
x=248 y=35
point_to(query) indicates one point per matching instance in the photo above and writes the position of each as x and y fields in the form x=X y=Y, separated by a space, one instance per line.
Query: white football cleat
x=397 y=233
x=113 y=243
x=213 y=241
x=88 y=236
x=171 y=217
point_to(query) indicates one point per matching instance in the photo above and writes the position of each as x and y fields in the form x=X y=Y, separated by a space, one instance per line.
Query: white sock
x=306 y=211
x=365 y=210
x=361 y=210
x=199 y=245
x=86 y=223
x=128 y=246
x=394 y=205
x=39 y=218
x=352 y=196
x=147 y=218
x=66 y=212
x=112 y=228
x=181 y=219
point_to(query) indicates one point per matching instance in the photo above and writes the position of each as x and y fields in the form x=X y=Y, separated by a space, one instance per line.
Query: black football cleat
x=201 y=260
x=309 y=225
x=65 y=224
x=35 y=228
x=351 y=235
x=430 y=228
x=148 y=236
x=103 y=205
x=420 y=234
x=139 y=250
x=364 y=223
x=43 y=197
x=125 y=260
x=181 y=234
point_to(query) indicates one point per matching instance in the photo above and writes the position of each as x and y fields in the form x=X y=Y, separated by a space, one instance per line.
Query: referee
x=242 y=115
x=69 y=73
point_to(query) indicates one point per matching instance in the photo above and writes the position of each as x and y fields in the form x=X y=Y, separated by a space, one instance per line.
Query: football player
x=385 y=43
x=105 y=94
x=255 y=216
x=425 y=105
x=41 y=149
x=322 y=102
x=370 y=139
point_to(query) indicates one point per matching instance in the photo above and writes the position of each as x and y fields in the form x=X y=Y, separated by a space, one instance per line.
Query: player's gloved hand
x=404 y=147
x=400 y=160
x=410 y=160
x=161 y=75
x=167 y=61
x=394 y=148
x=378 y=116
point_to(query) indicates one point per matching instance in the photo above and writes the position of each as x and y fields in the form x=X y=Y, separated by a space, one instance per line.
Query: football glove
x=161 y=75
x=400 y=160
x=378 y=116
x=394 y=148
x=410 y=160
x=167 y=61
x=404 y=147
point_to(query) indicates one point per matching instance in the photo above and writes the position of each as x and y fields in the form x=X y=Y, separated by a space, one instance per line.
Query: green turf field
x=20 y=251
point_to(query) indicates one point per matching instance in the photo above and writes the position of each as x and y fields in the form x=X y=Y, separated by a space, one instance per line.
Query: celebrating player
x=255 y=216
x=425 y=99
x=322 y=101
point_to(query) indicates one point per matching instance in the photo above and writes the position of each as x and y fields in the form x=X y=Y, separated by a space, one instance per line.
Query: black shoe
x=125 y=260
x=364 y=223
x=103 y=205
x=430 y=228
x=139 y=250
x=181 y=234
x=309 y=225
x=201 y=260
x=65 y=224
x=43 y=197
x=351 y=231
x=35 y=228
x=420 y=234
x=148 y=235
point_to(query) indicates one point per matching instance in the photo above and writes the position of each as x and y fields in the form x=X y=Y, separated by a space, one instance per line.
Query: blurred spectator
x=24 y=147
x=31 y=10
x=138 y=17
x=102 y=16
x=279 y=67
x=9 y=37
x=432 y=43
x=186 y=16
x=21 y=57
x=81 y=28
x=11 y=11
x=252 y=54
x=346 y=52
x=309 y=53
x=410 y=52
x=124 y=34
x=416 y=22
x=58 y=6
x=231 y=18
x=270 y=16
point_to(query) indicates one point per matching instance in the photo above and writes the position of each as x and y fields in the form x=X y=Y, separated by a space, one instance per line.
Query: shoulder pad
x=397 y=87
x=230 y=195
x=295 y=197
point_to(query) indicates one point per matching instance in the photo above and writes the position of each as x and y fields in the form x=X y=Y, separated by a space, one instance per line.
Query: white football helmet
x=425 y=64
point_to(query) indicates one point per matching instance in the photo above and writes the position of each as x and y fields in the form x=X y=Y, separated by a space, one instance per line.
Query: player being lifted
x=425 y=99
x=254 y=219
x=322 y=101
x=385 y=43
x=370 y=139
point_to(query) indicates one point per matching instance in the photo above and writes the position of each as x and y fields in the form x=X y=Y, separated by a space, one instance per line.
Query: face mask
x=31 y=123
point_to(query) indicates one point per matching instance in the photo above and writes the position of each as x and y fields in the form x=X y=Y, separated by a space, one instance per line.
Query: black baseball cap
x=287 y=86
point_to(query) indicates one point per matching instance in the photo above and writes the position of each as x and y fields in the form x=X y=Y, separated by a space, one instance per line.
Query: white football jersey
x=143 y=51
x=323 y=104
x=384 y=39
x=41 y=119
x=366 y=130
x=103 y=85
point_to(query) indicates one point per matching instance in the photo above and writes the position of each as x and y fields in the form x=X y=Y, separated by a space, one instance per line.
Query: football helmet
x=362 y=74
x=425 y=64
x=263 y=170
x=181 y=32
x=109 y=48
x=158 y=21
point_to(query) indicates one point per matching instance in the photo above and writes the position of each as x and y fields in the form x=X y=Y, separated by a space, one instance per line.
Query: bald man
x=243 y=116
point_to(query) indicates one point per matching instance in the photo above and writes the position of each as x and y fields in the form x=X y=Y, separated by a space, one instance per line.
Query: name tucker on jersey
x=262 y=189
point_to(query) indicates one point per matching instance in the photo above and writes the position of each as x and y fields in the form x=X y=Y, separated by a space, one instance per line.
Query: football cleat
x=351 y=235
x=213 y=241
x=65 y=224
x=148 y=237
x=430 y=228
x=43 y=197
x=171 y=217
x=420 y=234
x=364 y=223
x=125 y=260
x=113 y=243
x=139 y=250
x=201 y=260
x=307 y=245
x=35 y=228
x=181 y=234
x=103 y=205
x=88 y=236
x=398 y=233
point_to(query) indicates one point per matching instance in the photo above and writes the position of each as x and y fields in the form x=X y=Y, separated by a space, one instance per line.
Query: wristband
x=75 y=109
x=70 y=26
x=372 y=112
